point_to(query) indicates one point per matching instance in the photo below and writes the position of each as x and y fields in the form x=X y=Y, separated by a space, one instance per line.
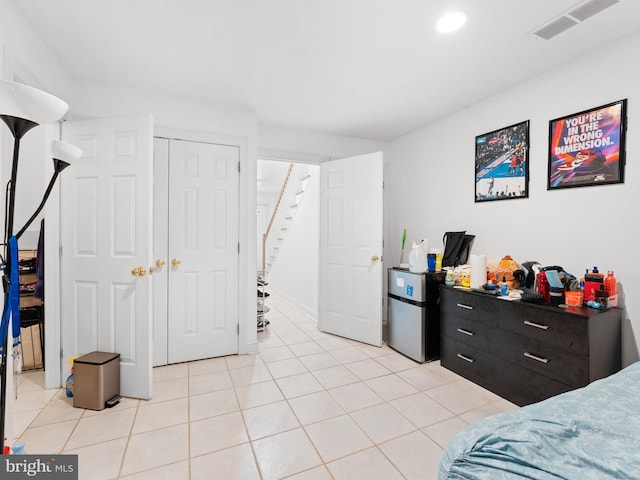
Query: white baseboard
x=252 y=348
x=303 y=308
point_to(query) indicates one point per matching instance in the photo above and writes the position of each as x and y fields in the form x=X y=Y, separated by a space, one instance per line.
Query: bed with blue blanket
x=592 y=433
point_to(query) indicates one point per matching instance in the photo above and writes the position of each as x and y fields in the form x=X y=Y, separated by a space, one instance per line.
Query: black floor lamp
x=22 y=108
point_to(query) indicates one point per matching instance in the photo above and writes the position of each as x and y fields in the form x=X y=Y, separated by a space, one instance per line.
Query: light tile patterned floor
x=307 y=406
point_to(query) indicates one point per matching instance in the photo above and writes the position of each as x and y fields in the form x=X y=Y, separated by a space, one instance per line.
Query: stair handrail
x=273 y=216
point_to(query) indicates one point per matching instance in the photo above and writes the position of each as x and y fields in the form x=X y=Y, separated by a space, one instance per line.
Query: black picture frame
x=502 y=164
x=588 y=148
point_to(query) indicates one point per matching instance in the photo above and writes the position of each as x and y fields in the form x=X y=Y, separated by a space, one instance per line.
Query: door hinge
x=238 y=248
x=238 y=167
x=60 y=251
x=238 y=328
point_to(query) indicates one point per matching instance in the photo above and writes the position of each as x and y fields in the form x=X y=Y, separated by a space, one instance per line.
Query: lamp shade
x=65 y=152
x=28 y=103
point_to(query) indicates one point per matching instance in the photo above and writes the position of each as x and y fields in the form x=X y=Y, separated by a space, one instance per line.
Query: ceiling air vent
x=574 y=16
x=590 y=8
x=554 y=28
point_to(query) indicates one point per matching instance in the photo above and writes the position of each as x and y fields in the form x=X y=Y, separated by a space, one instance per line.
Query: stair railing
x=273 y=216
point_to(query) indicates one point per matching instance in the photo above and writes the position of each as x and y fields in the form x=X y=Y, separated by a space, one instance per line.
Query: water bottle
x=610 y=283
x=417 y=259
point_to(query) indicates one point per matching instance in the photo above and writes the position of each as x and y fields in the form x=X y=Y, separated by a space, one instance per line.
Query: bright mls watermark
x=51 y=467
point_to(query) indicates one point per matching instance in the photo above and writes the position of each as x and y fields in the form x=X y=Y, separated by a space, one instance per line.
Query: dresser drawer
x=467 y=360
x=545 y=359
x=548 y=325
x=469 y=305
x=523 y=386
x=468 y=331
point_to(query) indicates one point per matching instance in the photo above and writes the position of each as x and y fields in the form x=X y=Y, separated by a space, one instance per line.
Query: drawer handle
x=466 y=332
x=536 y=358
x=537 y=325
x=462 y=305
x=465 y=358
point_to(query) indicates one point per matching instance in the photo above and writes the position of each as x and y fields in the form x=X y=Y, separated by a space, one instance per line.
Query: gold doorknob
x=175 y=262
x=375 y=258
x=160 y=263
x=139 y=271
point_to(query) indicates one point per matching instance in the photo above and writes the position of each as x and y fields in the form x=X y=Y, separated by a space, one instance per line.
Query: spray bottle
x=69 y=382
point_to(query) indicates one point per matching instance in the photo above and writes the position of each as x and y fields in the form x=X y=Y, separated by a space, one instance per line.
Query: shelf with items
x=31 y=313
x=262 y=307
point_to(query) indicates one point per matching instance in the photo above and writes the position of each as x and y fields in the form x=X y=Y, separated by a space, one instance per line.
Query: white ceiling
x=373 y=69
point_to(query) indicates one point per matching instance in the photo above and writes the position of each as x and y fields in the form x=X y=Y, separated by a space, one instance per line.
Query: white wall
x=25 y=53
x=295 y=272
x=93 y=99
x=429 y=181
x=26 y=58
x=310 y=147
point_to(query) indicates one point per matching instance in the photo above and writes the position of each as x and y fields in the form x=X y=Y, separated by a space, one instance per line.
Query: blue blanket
x=592 y=433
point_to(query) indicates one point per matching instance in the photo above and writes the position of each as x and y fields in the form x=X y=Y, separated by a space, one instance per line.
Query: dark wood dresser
x=525 y=352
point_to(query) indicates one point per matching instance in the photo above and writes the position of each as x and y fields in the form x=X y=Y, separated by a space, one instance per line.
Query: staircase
x=292 y=192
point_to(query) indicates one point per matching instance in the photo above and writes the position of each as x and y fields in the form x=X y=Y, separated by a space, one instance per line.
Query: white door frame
x=286 y=156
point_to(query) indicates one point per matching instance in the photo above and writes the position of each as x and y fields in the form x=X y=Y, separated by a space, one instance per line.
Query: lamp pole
x=21 y=108
x=18 y=127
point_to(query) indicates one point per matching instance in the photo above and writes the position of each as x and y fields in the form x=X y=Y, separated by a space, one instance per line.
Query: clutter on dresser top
x=508 y=279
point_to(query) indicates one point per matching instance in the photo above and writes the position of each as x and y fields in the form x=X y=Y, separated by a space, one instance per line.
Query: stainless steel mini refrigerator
x=413 y=314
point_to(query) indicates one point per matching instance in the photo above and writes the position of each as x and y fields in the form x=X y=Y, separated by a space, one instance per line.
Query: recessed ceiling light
x=451 y=22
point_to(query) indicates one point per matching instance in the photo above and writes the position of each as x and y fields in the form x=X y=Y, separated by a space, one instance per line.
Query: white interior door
x=202 y=263
x=351 y=277
x=106 y=226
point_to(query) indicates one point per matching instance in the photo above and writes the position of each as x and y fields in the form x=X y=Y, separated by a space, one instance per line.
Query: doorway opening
x=287 y=210
x=31 y=274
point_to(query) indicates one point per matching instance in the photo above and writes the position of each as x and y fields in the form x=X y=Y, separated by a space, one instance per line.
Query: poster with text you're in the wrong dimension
x=588 y=148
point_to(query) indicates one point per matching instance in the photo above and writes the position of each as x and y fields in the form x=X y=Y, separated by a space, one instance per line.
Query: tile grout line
x=301 y=426
x=285 y=327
